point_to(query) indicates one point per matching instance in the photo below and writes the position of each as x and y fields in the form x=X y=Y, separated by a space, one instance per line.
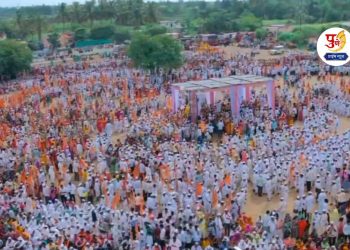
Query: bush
x=121 y=36
x=296 y=37
x=15 y=57
x=261 y=33
x=35 y=45
x=154 y=52
x=285 y=36
x=80 y=34
x=249 y=22
x=154 y=30
x=103 y=32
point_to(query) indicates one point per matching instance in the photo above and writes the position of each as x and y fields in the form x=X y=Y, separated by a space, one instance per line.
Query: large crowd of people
x=92 y=157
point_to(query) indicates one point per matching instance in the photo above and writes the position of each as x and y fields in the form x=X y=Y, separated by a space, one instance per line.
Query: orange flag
x=169 y=103
x=116 y=200
x=228 y=179
x=215 y=198
x=125 y=90
x=199 y=189
x=136 y=172
x=2 y=103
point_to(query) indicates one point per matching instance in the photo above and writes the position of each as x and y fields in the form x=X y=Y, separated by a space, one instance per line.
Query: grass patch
x=277 y=21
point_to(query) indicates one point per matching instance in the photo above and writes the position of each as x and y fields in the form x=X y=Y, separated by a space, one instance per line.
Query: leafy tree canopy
x=54 y=41
x=153 y=30
x=249 y=22
x=15 y=57
x=80 y=34
x=261 y=33
x=103 y=32
x=154 y=52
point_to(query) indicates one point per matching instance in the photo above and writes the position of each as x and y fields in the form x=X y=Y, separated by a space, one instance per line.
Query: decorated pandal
x=239 y=89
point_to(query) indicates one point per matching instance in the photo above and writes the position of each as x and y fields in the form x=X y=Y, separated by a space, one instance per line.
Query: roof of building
x=216 y=83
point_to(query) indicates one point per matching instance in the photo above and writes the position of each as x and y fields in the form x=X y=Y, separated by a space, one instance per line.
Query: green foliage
x=15 y=57
x=219 y=22
x=249 y=22
x=301 y=33
x=196 y=16
x=104 y=32
x=277 y=21
x=154 y=52
x=153 y=30
x=80 y=34
x=297 y=37
x=261 y=33
x=151 y=13
x=286 y=36
x=9 y=28
x=37 y=24
x=53 y=39
x=121 y=35
x=194 y=26
x=35 y=45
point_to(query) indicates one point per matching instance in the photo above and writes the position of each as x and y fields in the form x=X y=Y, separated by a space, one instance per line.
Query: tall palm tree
x=123 y=11
x=39 y=25
x=35 y=24
x=76 y=12
x=137 y=12
x=151 y=13
x=89 y=9
x=19 y=22
x=19 y=18
x=62 y=13
x=103 y=9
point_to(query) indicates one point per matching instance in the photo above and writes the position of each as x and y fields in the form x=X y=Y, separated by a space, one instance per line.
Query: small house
x=173 y=26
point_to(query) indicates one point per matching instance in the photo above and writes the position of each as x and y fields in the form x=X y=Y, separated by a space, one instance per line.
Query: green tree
x=9 y=28
x=54 y=41
x=297 y=37
x=21 y=24
x=153 y=30
x=136 y=8
x=154 y=52
x=249 y=22
x=261 y=33
x=62 y=14
x=38 y=24
x=89 y=9
x=105 y=9
x=76 y=12
x=151 y=13
x=103 y=32
x=219 y=21
x=35 y=45
x=80 y=34
x=15 y=57
x=121 y=35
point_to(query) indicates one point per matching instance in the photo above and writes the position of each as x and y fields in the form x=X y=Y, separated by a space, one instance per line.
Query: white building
x=172 y=26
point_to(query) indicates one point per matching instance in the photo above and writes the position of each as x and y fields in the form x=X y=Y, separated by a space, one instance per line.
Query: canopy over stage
x=239 y=88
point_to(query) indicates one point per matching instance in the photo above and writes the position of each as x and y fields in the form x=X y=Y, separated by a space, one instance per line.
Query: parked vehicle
x=277 y=50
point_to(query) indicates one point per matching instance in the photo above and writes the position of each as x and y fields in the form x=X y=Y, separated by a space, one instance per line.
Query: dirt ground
x=263 y=54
